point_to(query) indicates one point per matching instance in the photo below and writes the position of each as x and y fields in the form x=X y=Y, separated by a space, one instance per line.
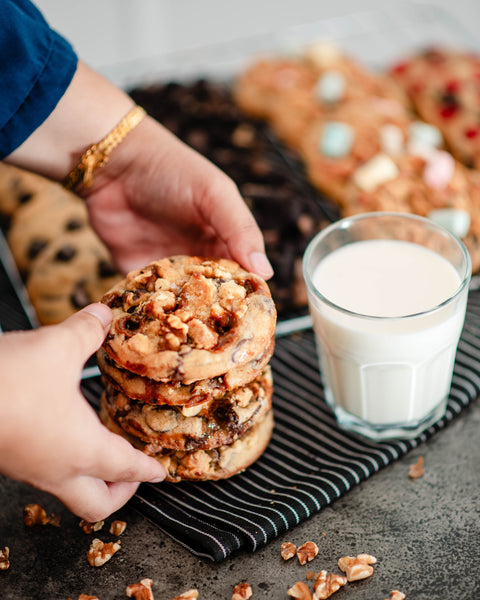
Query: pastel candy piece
x=376 y=171
x=330 y=87
x=457 y=221
x=336 y=139
x=425 y=134
x=391 y=139
x=439 y=170
x=323 y=53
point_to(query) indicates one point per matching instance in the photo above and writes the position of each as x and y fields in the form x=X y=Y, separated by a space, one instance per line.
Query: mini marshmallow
x=330 y=87
x=323 y=53
x=375 y=172
x=336 y=139
x=424 y=133
x=457 y=221
x=439 y=170
x=391 y=139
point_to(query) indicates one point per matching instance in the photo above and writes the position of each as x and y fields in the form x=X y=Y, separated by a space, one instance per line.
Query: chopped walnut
x=326 y=585
x=307 y=552
x=288 y=550
x=242 y=591
x=357 y=567
x=300 y=591
x=87 y=597
x=99 y=552
x=118 y=527
x=188 y=595
x=396 y=595
x=141 y=590
x=34 y=514
x=416 y=470
x=4 y=558
x=203 y=336
x=89 y=527
x=54 y=520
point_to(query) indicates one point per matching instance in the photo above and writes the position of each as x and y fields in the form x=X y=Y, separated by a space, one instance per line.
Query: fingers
x=117 y=460
x=93 y=499
x=85 y=330
x=234 y=223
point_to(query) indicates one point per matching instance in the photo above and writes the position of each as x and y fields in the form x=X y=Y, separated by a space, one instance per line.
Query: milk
x=387 y=330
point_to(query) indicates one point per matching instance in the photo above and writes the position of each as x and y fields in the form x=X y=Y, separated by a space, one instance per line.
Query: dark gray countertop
x=423 y=532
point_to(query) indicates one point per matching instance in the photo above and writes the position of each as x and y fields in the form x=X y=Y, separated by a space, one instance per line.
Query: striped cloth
x=309 y=463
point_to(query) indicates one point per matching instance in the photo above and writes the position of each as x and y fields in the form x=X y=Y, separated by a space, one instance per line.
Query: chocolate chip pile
x=287 y=210
x=185 y=365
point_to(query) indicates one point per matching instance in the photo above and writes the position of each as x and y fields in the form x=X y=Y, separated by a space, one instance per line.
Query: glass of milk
x=387 y=293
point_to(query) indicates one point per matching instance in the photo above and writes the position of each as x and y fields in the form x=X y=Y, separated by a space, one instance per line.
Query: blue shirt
x=36 y=67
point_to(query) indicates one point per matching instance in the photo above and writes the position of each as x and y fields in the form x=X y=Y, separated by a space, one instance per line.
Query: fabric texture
x=36 y=67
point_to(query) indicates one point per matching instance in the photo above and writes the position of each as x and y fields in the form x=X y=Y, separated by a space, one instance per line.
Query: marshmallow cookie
x=189 y=318
x=444 y=87
x=338 y=80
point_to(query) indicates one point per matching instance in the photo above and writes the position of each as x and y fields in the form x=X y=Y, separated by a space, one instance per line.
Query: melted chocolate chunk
x=36 y=247
x=106 y=269
x=80 y=297
x=73 y=225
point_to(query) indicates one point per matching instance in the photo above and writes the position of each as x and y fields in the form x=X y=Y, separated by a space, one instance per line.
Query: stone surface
x=423 y=532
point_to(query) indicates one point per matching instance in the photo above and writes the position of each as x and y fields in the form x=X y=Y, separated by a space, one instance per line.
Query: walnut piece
x=141 y=590
x=242 y=591
x=300 y=591
x=357 y=567
x=188 y=595
x=99 y=552
x=396 y=595
x=288 y=550
x=4 y=558
x=118 y=527
x=87 y=597
x=34 y=514
x=326 y=585
x=89 y=527
x=416 y=470
x=307 y=552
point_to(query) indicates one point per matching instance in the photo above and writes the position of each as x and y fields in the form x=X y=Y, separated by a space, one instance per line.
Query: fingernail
x=157 y=479
x=101 y=311
x=261 y=264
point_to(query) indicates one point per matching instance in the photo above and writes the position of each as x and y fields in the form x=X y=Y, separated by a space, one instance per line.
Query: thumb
x=85 y=330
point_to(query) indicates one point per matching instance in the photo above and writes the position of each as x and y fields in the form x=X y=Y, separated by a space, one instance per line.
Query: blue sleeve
x=36 y=67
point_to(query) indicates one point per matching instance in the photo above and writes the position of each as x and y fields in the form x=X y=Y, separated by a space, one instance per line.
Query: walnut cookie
x=206 y=426
x=175 y=393
x=188 y=318
x=202 y=465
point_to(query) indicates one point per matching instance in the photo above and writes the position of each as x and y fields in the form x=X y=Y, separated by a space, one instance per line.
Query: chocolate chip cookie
x=75 y=270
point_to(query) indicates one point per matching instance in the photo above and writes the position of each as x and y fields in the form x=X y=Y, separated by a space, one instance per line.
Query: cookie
x=75 y=270
x=188 y=318
x=208 y=425
x=335 y=146
x=50 y=213
x=201 y=465
x=444 y=87
x=17 y=187
x=175 y=393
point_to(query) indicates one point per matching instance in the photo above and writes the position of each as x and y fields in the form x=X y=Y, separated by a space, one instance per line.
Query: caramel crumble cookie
x=175 y=393
x=188 y=318
x=205 y=426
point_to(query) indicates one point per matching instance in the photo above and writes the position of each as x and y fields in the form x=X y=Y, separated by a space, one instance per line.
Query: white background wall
x=124 y=39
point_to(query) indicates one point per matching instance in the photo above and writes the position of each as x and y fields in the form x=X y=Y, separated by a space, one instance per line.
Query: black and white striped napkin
x=309 y=463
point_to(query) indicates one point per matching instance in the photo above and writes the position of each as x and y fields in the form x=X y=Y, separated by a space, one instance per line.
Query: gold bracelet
x=98 y=154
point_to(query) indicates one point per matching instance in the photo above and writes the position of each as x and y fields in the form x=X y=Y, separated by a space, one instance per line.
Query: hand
x=158 y=197
x=50 y=437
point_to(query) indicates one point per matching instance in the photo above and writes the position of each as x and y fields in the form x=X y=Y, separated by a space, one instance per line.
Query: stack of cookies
x=185 y=365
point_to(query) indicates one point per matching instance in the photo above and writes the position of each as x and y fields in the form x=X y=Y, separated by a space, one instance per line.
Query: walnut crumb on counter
x=416 y=470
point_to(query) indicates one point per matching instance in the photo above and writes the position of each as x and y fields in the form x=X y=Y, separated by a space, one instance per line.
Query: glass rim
x=342 y=223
